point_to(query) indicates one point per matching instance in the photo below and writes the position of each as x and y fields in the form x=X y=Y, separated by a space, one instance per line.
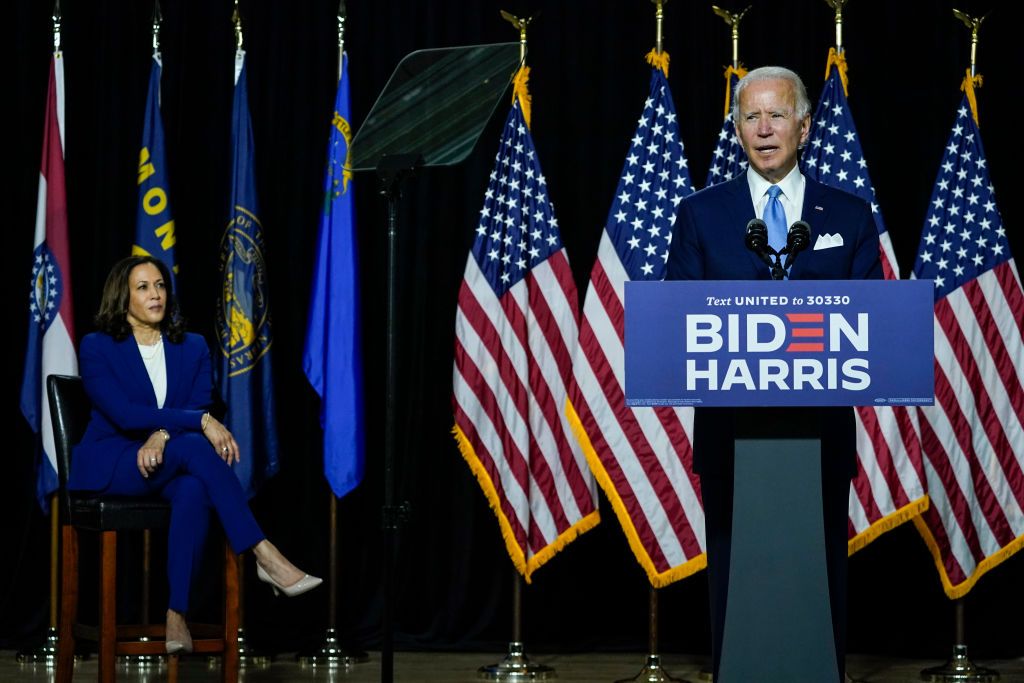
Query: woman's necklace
x=150 y=351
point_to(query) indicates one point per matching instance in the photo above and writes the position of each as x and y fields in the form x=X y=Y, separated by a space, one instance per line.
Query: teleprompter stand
x=430 y=113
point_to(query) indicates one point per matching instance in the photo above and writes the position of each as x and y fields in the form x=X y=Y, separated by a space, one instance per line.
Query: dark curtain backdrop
x=588 y=83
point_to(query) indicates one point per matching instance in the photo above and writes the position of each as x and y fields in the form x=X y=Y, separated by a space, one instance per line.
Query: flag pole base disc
x=45 y=653
x=516 y=667
x=959 y=669
x=653 y=673
x=332 y=654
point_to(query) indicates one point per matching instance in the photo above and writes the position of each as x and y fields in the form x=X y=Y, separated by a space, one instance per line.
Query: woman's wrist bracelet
x=205 y=421
x=164 y=433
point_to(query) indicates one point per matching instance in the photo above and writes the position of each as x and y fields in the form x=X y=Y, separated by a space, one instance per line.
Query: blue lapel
x=741 y=210
x=172 y=354
x=128 y=349
x=815 y=213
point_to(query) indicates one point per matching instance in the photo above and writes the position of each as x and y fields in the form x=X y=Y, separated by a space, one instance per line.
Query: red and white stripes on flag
x=641 y=456
x=888 y=488
x=515 y=335
x=51 y=347
x=973 y=437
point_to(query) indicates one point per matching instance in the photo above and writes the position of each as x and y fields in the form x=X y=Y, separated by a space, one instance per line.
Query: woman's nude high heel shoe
x=306 y=583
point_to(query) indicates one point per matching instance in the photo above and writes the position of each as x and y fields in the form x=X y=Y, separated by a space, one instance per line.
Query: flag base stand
x=516 y=667
x=45 y=653
x=653 y=673
x=247 y=656
x=332 y=655
x=959 y=669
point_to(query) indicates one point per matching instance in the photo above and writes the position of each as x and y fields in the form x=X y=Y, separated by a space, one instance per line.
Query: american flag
x=641 y=456
x=889 y=486
x=728 y=160
x=515 y=334
x=973 y=437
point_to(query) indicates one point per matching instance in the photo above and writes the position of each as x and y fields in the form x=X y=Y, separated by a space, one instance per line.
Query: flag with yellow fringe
x=888 y=488
x=516 y=330
x=641 y=457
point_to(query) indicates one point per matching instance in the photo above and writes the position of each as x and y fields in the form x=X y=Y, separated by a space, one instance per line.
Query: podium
x=775 y=363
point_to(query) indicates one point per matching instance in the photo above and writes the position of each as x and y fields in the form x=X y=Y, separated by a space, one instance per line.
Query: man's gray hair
x=770 y=73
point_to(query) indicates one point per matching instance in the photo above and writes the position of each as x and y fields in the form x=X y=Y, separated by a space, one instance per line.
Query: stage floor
x=419 y=667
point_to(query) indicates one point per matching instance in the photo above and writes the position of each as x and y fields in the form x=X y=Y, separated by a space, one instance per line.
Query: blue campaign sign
x=787 y=343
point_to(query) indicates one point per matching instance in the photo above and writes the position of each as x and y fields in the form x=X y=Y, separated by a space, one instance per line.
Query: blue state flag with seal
x=154 y=225
x=245 y=377
x=332 y=357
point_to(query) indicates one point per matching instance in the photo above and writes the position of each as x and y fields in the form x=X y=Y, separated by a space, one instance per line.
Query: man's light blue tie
x=775 y=217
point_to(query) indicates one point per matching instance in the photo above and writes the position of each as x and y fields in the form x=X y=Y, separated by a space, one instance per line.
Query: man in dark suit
x=772 y=115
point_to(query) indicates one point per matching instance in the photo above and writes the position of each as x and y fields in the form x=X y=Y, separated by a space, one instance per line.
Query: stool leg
x=68 y=604
x=229 y=668
x=108 y=605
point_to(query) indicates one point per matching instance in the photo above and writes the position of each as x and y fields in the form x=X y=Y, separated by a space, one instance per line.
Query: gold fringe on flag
x=989 y=563
x=515 y=552
x=906 y=513
x=729 y=71
x=968 y=87
x=521 y=93
x=839 y=59
x=658 y=580
x=658 y=60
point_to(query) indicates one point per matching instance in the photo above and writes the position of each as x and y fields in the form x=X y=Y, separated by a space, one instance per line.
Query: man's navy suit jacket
x=124 y=410
x=708 y=244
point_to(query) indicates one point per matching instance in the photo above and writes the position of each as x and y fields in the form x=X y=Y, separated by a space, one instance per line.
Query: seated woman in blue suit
x=150 y=433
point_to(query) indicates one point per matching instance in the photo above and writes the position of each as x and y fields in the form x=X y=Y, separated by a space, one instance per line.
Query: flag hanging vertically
x=889 y=487
x=51 y=333
x=641 y=456
x=973 y=437
x=515 y=333
x=154 y=224
x=332 y=357
x=244 y=378
x=729 y=159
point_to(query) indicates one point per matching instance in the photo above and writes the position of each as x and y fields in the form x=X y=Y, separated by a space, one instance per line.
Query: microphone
x=798 y=238
x=757 y=236
x=756 y=240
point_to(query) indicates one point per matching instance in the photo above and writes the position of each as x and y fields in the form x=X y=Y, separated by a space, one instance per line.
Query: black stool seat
x=100 y=513
x=107 y=515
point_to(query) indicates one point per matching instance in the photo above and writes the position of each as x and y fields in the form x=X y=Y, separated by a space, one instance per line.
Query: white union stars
x=46 y=290
x=654 y=180
x=964 y=233
x=517 y=228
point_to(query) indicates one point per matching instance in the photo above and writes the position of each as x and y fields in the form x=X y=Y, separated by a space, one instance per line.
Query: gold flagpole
x=46 y=652
x=516 y=666
x=331 y=653
x=960 y=667
x=652 y=672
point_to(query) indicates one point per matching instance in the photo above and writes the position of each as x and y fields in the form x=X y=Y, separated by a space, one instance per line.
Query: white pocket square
x=828 y=241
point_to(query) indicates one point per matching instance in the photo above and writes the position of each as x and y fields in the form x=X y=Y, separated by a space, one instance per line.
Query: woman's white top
x=156 y=366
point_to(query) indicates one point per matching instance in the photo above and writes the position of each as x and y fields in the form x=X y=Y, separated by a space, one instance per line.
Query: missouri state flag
x=51 y=333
